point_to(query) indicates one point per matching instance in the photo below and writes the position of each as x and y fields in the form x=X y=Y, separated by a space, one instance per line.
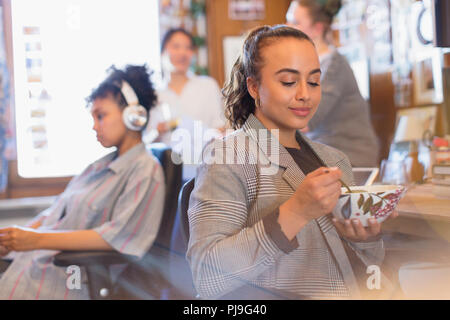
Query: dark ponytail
x=239 y=104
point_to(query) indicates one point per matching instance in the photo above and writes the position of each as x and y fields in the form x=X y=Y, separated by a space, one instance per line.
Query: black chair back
x=179 y=271
x=148 y=278
x=183 y=219
x=173 y=175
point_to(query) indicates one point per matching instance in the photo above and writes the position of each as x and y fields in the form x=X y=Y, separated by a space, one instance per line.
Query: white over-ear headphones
x=134 y=115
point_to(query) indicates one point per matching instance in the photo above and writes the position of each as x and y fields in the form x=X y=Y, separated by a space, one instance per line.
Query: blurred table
x=418 y=244
x=422 y=213
x=20 y=211
x=32 y=203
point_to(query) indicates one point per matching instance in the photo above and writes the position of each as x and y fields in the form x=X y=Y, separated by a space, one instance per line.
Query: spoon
x=346 y=186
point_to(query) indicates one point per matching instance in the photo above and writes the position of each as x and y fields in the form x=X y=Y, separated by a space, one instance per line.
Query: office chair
x=144 y=278
x=180 y=272
x=180 y=237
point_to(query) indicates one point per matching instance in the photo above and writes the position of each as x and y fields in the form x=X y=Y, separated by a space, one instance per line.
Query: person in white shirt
x=190 y=108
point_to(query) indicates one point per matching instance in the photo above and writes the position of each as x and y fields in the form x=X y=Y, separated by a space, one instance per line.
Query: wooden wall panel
x=383 y=110
x=19 y=187
x=446 y=88
x=219 y=26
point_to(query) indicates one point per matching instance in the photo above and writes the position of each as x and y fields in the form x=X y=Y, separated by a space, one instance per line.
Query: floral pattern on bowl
x=377 y=201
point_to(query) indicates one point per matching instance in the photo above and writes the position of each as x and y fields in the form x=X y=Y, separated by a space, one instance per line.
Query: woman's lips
x=301 y=112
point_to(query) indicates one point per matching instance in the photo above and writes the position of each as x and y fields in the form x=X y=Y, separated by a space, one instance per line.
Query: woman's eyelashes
x=292 y=83
x=288 y=83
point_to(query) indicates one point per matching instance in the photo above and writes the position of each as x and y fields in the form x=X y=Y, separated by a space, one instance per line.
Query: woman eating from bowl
x=263 y=218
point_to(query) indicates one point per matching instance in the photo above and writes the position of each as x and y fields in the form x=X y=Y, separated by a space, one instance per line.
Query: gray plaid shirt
x=229 y=245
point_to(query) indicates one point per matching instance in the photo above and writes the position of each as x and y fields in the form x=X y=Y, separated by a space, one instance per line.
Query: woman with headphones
x=116 y=203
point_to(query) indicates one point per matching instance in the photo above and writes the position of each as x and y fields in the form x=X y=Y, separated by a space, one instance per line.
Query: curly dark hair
x=139 y=79
x=239 y=104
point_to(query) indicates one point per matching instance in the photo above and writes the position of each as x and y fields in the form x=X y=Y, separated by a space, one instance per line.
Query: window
x=61 y=50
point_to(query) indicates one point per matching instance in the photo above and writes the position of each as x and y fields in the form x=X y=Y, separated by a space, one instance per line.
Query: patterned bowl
x=377 y=201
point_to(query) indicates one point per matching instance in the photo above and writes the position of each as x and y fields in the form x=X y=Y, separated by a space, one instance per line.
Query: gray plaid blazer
x=228 y=245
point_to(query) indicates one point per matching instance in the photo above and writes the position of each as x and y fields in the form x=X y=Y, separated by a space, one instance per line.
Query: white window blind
x=62 y=49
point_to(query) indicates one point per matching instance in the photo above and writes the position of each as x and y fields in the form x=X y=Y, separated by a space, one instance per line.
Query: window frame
x=18 y=186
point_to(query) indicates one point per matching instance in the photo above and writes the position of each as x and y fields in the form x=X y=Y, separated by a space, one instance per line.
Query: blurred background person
x=184 y=100
x=343 y=118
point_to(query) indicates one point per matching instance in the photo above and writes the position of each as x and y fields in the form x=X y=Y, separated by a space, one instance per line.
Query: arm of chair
x=97 y=268
x=90 y=258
